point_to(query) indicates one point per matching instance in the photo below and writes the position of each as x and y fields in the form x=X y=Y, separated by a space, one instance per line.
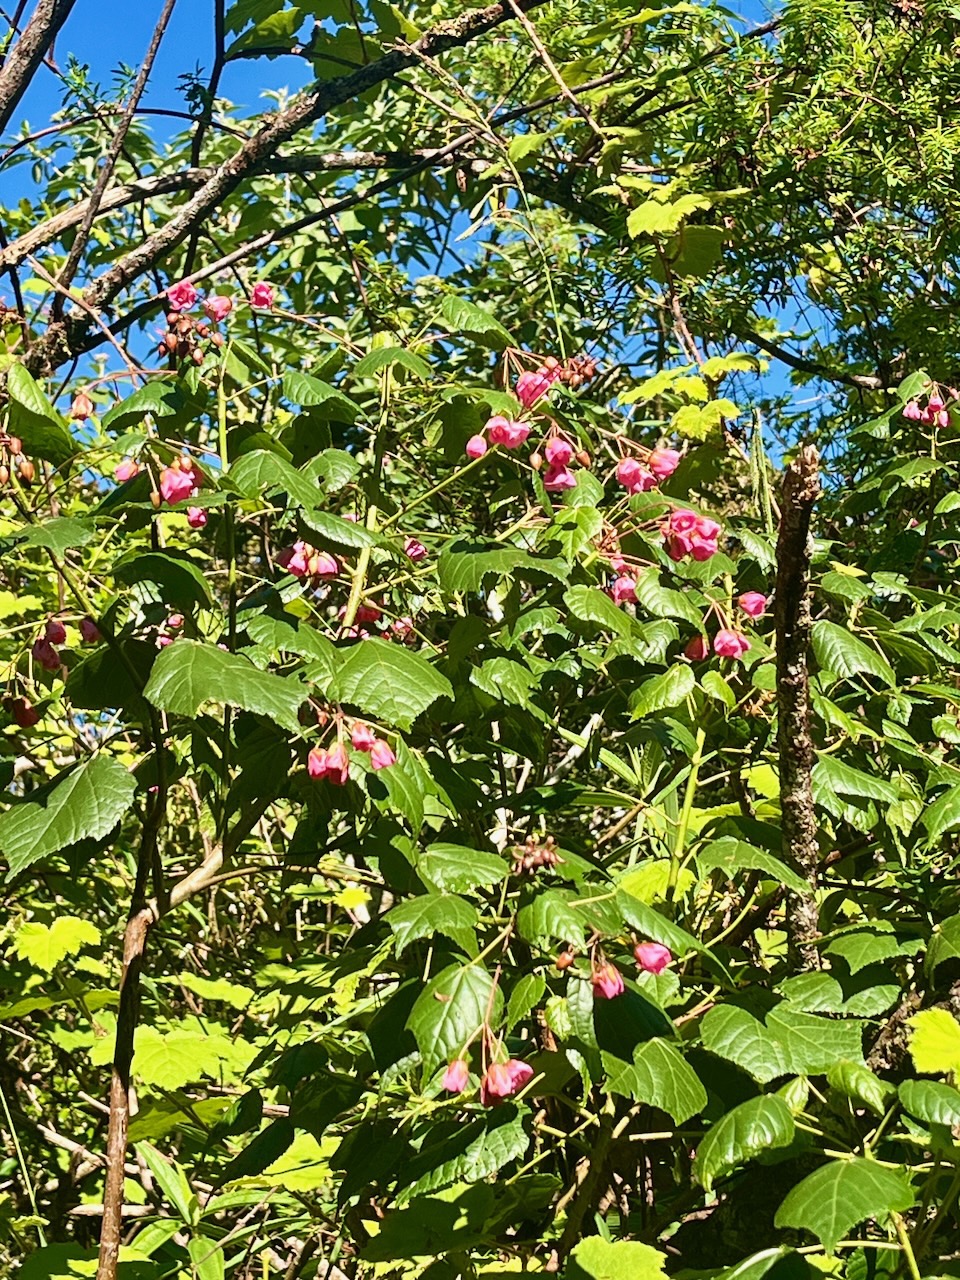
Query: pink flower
x=686 y=533
x=126 y=470
x=556 y=479
x=82 y=407
x=625 y=588
x=177 y=483
x=304 y=561
x=511 y=435
x=175 y=621
x=54 y=631
x=218 y=307
x=332 y=766
x=196 y=517
x=46 y=655
x=635 y=477
x=89 y=631
x=456 y=1077
x=402 y=628
x=753 y=604
x=532 y=386
x=663 y=463
x=381 y=757
x=607 y=981
x=943 y=418
x=502 y=1080
x=652 y=957
x=181 y=296
x=23 y=714
x=558 y=452
x=697 y=649
x=368 y=613
x=363 y=737
x=262 y=295
x=476 y=447
x=730 y=644
x=912 y=411
x=415 y=550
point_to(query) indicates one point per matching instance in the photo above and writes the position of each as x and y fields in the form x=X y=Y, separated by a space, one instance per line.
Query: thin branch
x=802 y=364
x=27 y=54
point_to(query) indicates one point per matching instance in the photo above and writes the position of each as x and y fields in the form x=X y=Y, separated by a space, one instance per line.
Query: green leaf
x=758 y=1125
x=453 y=868
x=389 y=358
x=663 y=691
x=944 y=944
x=34 y=419
x=504 y=680
x=790 y=1043
x=943 y=815
x=462 y=316
x=931 y=1102
x=263 y=474
x=832 y=776
x=450 y=1010
x=658 y=218
x=598 y=1259
x=863 y=947
x=551 y=917
x=664 y=602
x=58 y=535
x=188 y=675
x=857 y=1081
x=326 y=528
x=310 y=393
x=935 y=1043
x=593 y=605
x=730 y=855
x=463 y=569
x=845 y=654
x=180 y=580
x=172 y=1181
x=159 y=398
x=389 y=682
x=44 y=946
x=524 y=997
x=85 y=805
x=424 y=916
x=835 y=1199
x=472 y=1153
x=659 y=1076
x=207 y=1258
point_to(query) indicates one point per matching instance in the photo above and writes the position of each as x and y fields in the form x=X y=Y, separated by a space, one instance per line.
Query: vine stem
x=379 y=450
x=25 y=1172
x=903 y=1235
x=690 y=794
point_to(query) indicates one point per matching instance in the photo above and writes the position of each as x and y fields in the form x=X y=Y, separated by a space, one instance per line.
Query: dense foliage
x=457 y=824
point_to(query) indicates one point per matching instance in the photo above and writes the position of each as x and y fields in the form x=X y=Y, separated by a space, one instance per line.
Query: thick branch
x=801 y=488
x=29 y=51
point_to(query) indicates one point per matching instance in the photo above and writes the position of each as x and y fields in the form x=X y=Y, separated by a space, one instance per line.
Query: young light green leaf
x=599 y=1259
x=44 y=946
x=935 y=1042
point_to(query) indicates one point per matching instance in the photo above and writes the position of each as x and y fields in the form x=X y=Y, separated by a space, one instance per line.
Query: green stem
x=680 y=842
x=437 y=488
x=23 y=1164
x=363 y=559
x=904 y=1237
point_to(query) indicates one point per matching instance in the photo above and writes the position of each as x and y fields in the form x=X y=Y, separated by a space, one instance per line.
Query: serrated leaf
x=664 y=602
x=944 y=944
x=85 y=805
x=863 y=947
x=593 y=605
x=659 y=218
x=34 y=419
x=832 y=776
x=450 y=1010
x=466 y=317
x=310 y=393
x=845 y=654
x=931 y=1102
x=754 y=1126
x=659 y=1076
x=661 y=692
x=551 y=917
x=389 y=682
x=327 y=529
x=390 y=358
x=857 y=1081
x=454 y=868
x=264 y=474
x=935 y=1042
x=179 y=579
x=730 y=855
x=172 y=1181
x=599 y=1259
x=58 y=535
x=943 y=815
x=833 y=1200
x=433 y=913
x=471 y=1154
x=789 y=1043
x=44 y=946
x=189 y=675
x=525 y=996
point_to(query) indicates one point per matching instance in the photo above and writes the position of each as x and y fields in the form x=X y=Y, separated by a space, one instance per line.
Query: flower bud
x=564 y=960
x=14 y=445
x=27 y=471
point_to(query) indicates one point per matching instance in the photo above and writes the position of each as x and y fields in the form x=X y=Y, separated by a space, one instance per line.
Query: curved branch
x=29 y=51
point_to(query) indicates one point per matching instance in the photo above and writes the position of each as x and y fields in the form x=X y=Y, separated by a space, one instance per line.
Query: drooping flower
x=24 y=715
x=262 y=295
x=531 y=387
x=126 y=470
x=362 y=736
x=503 y=431
x=89 y=631
x=218 y=307
x=177 y=483
x=457 y=1076
x=558 y=452
x=556 y=479
x=381 y=756
x=54 y=631
x=753 y=604
x=663 y=462
x=304 y=561
x=687 y=534
x=45 y=655
x=634 y=476
x=196 y=517
x=697 y=649
x=652 y=957
x=181 y=296
x=82 y=407
x=415 y=550
x=607 y=981
x=912 y=411
x=502 y=1080
x=730 y=644
x=624 y=589
x=331 y=766
x=476 y=447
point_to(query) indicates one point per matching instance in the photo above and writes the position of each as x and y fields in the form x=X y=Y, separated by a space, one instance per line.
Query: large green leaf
x=832 y=1201
x=265 y=474
x=731 y=855
x=44 y=946
x=449 y=1011
x=391 y=358
x=453 y=868
x=931 y=1102
x=429 y=914
x=943 y=815
x=845 y=654
x=34 y=419
x=188 y=675
x=389 y=682
x=833 y=776
x=935 y=1042
x=179 y=579
x=59 y=534
x=754 y=1126
x=858 y=1082
x=311 y=393
x=790 y=1043
x=599 y=1259
x=659 y=1076
x=661 y=692
x=85 y=805
x=462 y=316
x=593 y=605
x=470 y=1153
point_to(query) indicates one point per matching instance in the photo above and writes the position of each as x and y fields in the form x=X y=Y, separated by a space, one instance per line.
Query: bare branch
x=29 y=51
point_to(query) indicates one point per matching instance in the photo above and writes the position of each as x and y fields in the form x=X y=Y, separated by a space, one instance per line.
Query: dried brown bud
x=564 y=960
x=197 y=356
x=155 y=498
x=4 y=474
x=536 y=461
x=170 y=340
x=584 y=459
x=27 y=471
x=550 y=364
x=15 y=445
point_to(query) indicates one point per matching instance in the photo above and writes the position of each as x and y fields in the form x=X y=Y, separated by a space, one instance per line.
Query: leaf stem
x=690 y=794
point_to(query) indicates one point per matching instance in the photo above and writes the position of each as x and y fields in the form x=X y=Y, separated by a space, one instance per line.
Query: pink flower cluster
x=687 y=534
x=532 y=387
x=933 y=414
x=499 y=430
x=179 y=481
x=500 y=1080
x=333 y=764
x=558 y=477
x=183 y=295
x=173 y=624
x=304 y=561
x=638 y=476
x=44 y=647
